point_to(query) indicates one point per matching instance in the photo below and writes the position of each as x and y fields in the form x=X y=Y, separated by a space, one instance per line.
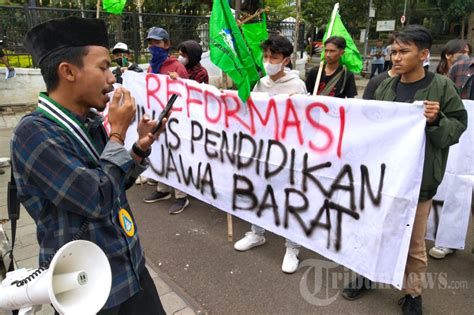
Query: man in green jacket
x=446 y=120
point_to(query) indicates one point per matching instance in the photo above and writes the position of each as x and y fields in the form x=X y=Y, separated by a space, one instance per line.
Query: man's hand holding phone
x=149 y=130
x=145 y=129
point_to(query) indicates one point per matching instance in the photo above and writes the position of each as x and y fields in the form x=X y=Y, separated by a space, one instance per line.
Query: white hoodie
x=288 y=84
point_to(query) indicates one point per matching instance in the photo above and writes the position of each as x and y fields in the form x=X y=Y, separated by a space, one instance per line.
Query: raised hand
x=121 y=111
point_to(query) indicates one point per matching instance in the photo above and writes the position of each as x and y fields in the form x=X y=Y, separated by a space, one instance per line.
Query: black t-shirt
x=406 y=91
x=117 y=72
x=373 y=84
x=349 y=90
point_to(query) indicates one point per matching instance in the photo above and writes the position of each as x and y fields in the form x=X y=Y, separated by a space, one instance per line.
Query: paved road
x=191 y=249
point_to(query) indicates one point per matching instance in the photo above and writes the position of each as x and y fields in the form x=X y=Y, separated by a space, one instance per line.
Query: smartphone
x=165 y=112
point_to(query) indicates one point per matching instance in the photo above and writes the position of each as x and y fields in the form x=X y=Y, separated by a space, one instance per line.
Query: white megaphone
x=78 y=281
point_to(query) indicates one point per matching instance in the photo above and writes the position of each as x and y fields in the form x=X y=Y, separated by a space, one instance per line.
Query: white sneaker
x=290 y=261
x=440 y=252
x=4 y=161
x=141 y=180
x=249 y=241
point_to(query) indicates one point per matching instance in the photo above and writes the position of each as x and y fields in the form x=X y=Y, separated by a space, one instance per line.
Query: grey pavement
x=192 y=249
x=175 y=301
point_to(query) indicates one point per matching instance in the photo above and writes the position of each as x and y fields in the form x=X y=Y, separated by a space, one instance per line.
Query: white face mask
x=272 y=68
x=183 y=60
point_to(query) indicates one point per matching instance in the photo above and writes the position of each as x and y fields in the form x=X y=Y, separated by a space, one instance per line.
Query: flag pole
x=321 y=64
x=230 y=228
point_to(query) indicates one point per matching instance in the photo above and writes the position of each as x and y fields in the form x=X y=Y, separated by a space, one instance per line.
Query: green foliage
x=353 y=12
x=150 y=6
x=280 y=9
x=317 y=12
x=456 y=8
x=188 y=6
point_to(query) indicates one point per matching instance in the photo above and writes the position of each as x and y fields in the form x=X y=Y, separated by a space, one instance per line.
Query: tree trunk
x=296 y=34
x=119 y=21
x=463 y=27
x=82 y=7
x=140 y=25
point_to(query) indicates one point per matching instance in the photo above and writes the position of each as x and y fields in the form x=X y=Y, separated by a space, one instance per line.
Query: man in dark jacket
x=190 y=53
x=446 y=120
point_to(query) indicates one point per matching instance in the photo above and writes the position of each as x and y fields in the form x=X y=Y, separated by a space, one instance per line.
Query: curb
x=191 y=303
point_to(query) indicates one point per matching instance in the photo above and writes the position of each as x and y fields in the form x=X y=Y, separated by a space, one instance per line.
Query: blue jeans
x=260 y=231
x=376 y=67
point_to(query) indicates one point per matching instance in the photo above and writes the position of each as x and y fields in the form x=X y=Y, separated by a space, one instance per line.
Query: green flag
x=351 y=58
x=255 y=34
x=228 y=49
x=114 y=6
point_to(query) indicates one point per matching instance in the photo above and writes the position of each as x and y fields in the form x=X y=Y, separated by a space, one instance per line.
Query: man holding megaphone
x=71 y=175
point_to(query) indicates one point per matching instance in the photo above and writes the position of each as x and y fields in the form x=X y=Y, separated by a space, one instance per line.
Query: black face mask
x=120 y=61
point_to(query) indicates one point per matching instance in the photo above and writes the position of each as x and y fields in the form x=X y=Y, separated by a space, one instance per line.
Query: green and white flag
x=229 y=51
x=255 y=34
x=351 y=58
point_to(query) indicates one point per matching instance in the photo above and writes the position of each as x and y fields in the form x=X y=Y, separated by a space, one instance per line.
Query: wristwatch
x=140 y=152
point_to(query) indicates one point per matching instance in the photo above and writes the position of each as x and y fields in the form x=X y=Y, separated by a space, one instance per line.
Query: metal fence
x=130 y=28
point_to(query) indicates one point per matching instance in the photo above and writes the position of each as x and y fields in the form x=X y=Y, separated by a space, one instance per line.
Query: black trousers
x=145 y=302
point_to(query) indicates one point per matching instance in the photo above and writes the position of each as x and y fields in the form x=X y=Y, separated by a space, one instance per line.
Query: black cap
x=50 y=36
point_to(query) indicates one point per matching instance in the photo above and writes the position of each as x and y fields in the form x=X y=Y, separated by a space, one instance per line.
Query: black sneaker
x=157 y=196
x=179 y=205
x=355 y=289
x=411 y=305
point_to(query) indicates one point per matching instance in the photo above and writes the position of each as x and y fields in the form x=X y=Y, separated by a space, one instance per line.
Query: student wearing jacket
x=446 y=120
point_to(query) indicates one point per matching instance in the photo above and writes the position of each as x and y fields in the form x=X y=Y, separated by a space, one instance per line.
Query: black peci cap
x=50 y=36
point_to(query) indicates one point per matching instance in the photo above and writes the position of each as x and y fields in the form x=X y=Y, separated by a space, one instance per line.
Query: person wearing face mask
x=279 y=80
x=190 y=56
x=121 y=56
x=276 y=59
x=336 y=80
x=161 y=62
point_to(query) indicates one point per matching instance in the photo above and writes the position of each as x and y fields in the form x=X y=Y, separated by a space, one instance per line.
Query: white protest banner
x=339 y=176
x=449 y=216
